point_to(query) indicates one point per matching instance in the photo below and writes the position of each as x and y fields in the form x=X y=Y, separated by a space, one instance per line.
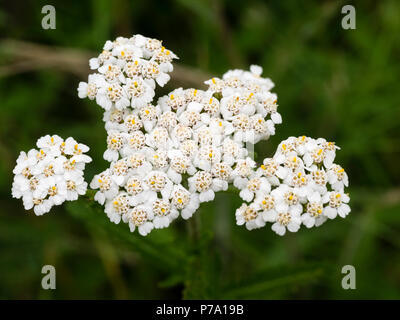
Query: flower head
x=51 y=175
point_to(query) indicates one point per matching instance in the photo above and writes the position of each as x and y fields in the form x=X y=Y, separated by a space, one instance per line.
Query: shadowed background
x=342 y=85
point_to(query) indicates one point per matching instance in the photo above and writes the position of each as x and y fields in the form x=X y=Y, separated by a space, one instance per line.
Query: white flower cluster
x=167 y=158
x=51 y=175
x=128 y=70
x=300 y=184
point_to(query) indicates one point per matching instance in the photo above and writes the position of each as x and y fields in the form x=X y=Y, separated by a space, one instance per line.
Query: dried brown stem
x=27 y=57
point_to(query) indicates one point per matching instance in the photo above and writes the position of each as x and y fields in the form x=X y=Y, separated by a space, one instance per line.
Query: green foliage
x=334 y=83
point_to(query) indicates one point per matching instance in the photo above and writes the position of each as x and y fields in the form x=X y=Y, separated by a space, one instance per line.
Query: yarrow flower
x=128 y=71
x=168 y=155
x=299 y=185
x=189 y=137
x=51 y=175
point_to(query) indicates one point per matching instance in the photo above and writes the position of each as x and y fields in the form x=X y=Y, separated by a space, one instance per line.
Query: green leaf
x=260 y=285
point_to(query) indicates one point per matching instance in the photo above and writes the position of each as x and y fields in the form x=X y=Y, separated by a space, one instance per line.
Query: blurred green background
x=339 y=84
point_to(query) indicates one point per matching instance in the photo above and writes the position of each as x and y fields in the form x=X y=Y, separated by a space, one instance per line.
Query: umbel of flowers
x=168 y=156
x=51 y=175
x=299 y=185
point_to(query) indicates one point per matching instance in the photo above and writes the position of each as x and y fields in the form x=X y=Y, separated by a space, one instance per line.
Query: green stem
x=89 y=195
x=194 y=229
